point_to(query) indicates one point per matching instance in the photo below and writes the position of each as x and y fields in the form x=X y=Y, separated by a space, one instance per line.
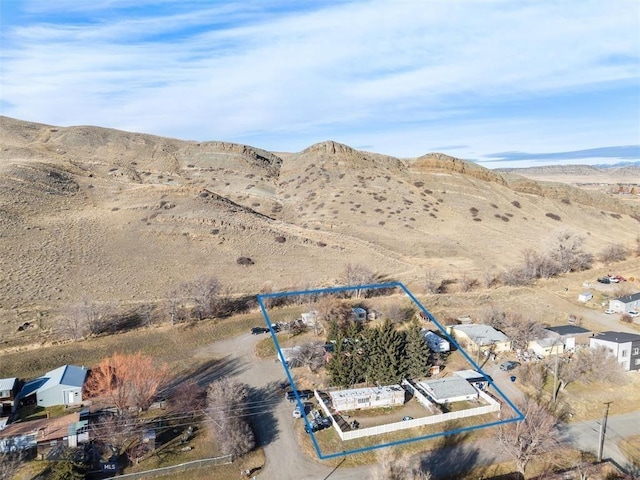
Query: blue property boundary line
x=519 y=415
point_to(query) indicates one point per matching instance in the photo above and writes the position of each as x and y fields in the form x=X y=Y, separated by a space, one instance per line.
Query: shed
x=359 y=314
x=368 y=397
x=584 y=297
x=449 y=389
x=8 y=392
x=62 y=386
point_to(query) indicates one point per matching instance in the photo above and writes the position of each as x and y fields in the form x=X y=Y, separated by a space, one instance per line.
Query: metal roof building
x=449 y=389
x=62 y=386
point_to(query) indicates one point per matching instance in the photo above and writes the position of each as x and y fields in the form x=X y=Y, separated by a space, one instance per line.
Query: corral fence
x=183 y=467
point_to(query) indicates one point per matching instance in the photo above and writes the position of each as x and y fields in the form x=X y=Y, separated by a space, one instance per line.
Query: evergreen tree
x=385 y=355
x=68 y=467
x=417 y=352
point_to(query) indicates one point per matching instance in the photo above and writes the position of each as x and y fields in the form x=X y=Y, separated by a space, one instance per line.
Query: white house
x=475 y=378
x=435 y=342
x=368 y=397
x=624 y=346
x=449 y=389
x=559 y=339
x=584 y=297
x=625 y=304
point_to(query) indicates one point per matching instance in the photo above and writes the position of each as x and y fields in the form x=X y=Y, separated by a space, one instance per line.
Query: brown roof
x=46 y=428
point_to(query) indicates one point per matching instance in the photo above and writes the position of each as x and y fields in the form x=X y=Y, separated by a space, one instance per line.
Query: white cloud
x=348 y=67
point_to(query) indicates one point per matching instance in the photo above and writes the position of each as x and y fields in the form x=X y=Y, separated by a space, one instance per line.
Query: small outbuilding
x=359 y=314
x=368 y=397
x=584 y=297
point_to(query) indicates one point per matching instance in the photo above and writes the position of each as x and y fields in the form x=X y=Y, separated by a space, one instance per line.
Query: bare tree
x=310 y=355
x=228 y=411
x=188 y=398
x=533 y=437
x=126 y=380
x=494 y=316
x=205 y=291
x=120 y=434
x=614 y=252
x=587 y=366
x=521 y=330
x=567 y=250
x=175 y=304
x=431 y=281
x=534 y=375
x=357 y=274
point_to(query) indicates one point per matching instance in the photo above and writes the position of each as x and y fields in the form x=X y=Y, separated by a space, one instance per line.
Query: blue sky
x=500 y=82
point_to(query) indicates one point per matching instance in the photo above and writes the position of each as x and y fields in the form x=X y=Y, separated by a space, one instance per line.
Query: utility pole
x=555 y=375
x=603 y=430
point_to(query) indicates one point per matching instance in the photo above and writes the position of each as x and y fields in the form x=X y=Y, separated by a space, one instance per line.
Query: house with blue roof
x=62 y=386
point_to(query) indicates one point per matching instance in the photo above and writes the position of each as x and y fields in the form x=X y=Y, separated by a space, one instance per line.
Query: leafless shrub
x=553 y=216
x=516 y=277
x=466 y=283
x=567 y=251
x=587 y=366
x=227 y=407
x=310 y=355
x=489 y=278
x=392 y=467
x=614 y=252
x=516 y=204
x=474 y=211
x=281 y=239
x=246 y=261
x=397 y=313
x=566 y=201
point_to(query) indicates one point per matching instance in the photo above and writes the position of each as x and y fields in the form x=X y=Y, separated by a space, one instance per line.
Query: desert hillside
x=124 y=217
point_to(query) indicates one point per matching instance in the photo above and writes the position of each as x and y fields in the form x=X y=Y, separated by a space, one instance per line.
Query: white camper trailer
x=435 y=342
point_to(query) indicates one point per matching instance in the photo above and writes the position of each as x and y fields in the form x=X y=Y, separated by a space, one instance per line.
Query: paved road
x=584 y=435
x=285 y=459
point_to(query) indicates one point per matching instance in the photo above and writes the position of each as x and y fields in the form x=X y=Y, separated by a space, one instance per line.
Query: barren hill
x=120 y=216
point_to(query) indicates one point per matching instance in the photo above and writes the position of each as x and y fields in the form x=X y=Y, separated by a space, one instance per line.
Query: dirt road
x=273 y=420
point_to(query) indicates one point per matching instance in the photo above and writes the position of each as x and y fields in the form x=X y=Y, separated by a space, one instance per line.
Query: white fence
x=493 y=406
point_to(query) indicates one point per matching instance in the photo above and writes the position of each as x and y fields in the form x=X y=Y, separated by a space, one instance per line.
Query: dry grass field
x=121 y=219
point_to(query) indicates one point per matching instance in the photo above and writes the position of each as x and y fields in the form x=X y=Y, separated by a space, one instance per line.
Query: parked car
x=609 y=311
x=604 y=280
x=259 y=330
x=509 y=365
x=297 y=413
x=633 y=313
x=407 y=418
x=303 y=394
